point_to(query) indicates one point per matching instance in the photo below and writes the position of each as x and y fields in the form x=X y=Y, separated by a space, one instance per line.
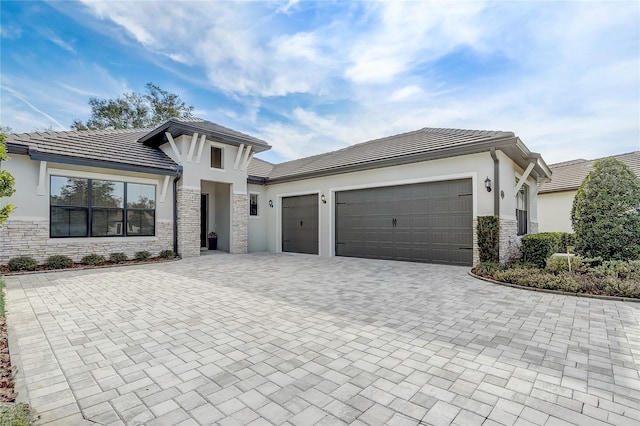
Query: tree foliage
x=134 y=110
x=7 y=183
x=606 y=212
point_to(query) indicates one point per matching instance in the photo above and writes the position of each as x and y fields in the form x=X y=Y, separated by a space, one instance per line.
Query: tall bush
x=537 y=248
x=606 y=212
x=488 y=231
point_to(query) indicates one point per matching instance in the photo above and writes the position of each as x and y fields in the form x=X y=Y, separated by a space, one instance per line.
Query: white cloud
x=405 y=92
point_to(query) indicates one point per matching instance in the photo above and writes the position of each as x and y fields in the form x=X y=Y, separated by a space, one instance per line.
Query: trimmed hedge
x=488 y=231
x=58 y=261
x=537 y=248
x=22 y=263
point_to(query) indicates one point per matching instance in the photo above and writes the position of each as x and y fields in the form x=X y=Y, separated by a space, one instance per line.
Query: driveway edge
x=560 y=292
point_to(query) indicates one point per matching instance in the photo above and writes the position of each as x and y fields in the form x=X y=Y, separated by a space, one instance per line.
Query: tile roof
x=112 y=147
x=423 y=141
x=259 y=168
x=568 y=176
x=181 y=126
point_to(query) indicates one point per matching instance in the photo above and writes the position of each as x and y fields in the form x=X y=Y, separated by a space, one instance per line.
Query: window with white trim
x=101 y=208
x=522 y=210
x=216 y=157
x=253 y=204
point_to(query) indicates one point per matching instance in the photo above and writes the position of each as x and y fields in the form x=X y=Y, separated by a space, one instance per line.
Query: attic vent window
x=216 y=157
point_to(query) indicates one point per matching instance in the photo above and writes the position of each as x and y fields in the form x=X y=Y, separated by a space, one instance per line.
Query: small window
x=522 y=214
x=216 y=157
x=253 y=204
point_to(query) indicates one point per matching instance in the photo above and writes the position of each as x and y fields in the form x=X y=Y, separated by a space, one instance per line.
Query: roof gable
x=183 y=126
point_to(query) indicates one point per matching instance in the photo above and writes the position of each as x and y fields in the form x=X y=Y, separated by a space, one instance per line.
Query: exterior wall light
x=323 y=199
x=487 y=184
x=270 y=203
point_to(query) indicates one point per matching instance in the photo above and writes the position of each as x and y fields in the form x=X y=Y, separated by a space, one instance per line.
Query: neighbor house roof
x=118 y=149
x=568 y=176
x=181 y=126
x=415 y=146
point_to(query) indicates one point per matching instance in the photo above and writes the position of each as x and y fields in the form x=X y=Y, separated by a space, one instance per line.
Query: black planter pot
x=213 y=243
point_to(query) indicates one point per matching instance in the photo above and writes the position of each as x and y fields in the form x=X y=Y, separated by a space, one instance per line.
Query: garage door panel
x=433 y=222
x=300 y=224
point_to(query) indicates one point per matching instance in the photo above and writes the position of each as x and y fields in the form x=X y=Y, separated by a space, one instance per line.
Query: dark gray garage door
x=426 y=222
x=300 y=224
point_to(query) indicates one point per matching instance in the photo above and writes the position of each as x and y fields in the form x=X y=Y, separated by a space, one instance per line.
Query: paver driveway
x=271 y=339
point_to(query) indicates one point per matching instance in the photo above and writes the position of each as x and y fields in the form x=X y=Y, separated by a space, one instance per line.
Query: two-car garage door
x=425 y=222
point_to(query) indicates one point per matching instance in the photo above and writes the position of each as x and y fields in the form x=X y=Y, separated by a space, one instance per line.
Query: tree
x=134 y=110
x=606 y=212
x=7 y=183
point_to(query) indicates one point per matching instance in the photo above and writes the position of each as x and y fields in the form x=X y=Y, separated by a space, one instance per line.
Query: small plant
x=58 y=261
x=22 y=263
x=487 y=268
x=167 y=254
x=142 y=255
x=92 y=259
x=118 y=257
x=557 y=264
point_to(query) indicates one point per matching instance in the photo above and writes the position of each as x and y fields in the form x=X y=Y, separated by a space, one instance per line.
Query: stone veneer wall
x=240 y=224
x=533 y=227
x=188 y=222
x=31 y=238
x=509 y=240
x=476 y=251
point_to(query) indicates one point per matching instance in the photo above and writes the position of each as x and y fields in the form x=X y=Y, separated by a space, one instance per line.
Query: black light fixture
x=270 y=203
x=323 y=199
x=487 y=184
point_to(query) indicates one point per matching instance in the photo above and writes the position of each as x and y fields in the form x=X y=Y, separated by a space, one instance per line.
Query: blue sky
x=310 y=77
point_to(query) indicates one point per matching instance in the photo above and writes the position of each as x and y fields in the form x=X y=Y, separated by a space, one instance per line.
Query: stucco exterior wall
x=554 y=211
x=476 y=167
x=26 y=233
x=257 y=225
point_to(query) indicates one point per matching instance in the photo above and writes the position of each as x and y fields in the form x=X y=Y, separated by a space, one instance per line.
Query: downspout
x=496 y=180
x=175 y=210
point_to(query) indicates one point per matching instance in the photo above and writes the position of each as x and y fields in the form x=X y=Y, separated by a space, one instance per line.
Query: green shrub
x=167 y=254
x=58 y=261
x=15 y=415
x=22 y=263
x=488 y=231
x=537 y=248
x=487 y=269
x=556 y=264
x=606 y=212
x=142 y=255
x=118 y=257
x=539 y=279
x=92 y=259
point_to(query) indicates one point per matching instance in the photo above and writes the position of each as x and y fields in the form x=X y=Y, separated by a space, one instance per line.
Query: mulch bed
x=7 y=393
x=4 y=269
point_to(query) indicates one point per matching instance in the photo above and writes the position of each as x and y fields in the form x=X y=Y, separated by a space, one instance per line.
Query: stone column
x=509 y=240
x=240 y=224
x=188 y=222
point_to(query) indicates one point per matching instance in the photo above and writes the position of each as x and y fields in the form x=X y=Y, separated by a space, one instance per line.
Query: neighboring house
x=555 y=198
x=413 y=196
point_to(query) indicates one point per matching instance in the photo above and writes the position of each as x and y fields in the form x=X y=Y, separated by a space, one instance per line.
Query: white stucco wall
x=476 y=167
x=554 y=211
x=258 y=224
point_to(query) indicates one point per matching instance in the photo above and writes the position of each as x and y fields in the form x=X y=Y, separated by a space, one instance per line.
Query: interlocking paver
x=305 y=340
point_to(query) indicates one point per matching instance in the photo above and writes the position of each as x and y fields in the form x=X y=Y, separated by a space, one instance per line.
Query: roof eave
x=77 y=161
x=194 y=128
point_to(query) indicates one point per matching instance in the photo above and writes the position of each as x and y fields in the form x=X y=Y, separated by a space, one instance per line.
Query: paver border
x=564 y=293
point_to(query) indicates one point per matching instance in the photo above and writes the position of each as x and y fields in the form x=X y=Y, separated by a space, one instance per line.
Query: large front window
x=101 y=208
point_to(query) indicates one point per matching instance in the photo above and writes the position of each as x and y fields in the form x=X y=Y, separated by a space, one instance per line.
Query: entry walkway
x=295 y=339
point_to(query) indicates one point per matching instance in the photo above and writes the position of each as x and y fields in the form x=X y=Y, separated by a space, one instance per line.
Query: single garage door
x=425 y=222
x=300 y=224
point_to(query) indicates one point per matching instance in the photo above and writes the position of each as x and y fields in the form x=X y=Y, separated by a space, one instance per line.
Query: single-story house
x=555 y=198
x=413 y=196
